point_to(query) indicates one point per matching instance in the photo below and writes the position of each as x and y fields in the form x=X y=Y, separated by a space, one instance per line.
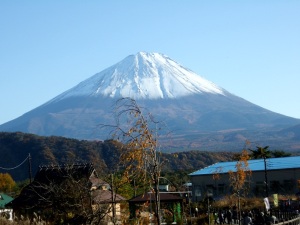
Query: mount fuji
x=199 y=113
x=144 y=76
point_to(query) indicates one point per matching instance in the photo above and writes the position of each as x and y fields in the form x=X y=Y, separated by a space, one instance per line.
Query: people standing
x=247 y=220
x=221 y=217
x=229 y=216
x=235 y=216
x=216 y=217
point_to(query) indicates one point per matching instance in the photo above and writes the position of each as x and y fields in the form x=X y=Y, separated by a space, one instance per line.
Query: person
x=247 y=220
x=250 y=214
x=221 y=217
x=271 y=219
x=229 y=216
x=216 y=217
x=259 y=218
x=235 y=216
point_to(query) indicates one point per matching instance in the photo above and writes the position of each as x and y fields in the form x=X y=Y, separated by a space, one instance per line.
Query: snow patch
x=144 y=76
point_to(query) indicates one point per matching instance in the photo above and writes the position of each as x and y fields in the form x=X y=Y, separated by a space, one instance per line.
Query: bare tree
x=140 y=156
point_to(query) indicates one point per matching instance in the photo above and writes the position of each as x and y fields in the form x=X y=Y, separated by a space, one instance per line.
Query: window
x=221 y=188
x=197 y=191
x=210 y=188
x=259 y=188
x=288 y=185
x=275 y=186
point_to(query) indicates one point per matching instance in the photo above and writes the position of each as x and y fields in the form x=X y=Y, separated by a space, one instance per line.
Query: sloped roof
x=254 y=165
x=105 y=196
x=56 y=172
x=46 y=175
x=97 y=182
x=4 y=199
x=164 y=197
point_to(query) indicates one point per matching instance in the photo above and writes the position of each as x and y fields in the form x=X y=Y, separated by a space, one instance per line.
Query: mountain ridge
x=104 y=155
x=186 y=102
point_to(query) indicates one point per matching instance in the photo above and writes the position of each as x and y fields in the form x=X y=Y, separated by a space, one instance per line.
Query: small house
x=4 y=210
x=70 y=193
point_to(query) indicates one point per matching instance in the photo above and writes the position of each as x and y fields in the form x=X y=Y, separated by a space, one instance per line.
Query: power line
x=3 y=168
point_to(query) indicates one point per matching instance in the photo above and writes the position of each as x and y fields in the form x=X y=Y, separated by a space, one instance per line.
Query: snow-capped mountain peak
x=144 y=76
x=187 y=104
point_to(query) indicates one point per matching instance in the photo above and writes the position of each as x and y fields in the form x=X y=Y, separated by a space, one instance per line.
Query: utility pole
x=209 y=194
x=266 y=178
x=239 y=207
x=208 y=211
x=113 y=200
x=156 y=191
x=29 y=168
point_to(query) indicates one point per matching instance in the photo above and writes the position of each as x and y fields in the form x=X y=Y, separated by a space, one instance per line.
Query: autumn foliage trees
x=238 y=179
x=7 y=184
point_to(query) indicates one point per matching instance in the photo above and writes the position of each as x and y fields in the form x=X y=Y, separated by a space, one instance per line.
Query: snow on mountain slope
x=189 y=106
x=144 y=76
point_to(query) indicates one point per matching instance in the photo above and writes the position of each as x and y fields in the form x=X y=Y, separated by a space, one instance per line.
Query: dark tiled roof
x=49 y=175
x=57 y=172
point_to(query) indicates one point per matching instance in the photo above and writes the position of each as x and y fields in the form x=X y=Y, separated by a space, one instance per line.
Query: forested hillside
x=16 y=147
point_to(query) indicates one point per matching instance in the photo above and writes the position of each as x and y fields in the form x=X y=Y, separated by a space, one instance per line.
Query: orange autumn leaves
x=240 y=177
x=137 y=131
x=7 y=184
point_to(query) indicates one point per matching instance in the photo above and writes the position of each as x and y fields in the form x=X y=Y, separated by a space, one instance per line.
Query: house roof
x=54 y=176
x=56 y=172
x=164 y=197
x=105 y=196
x=4 y=199
x=49 y=175
x=254 y=165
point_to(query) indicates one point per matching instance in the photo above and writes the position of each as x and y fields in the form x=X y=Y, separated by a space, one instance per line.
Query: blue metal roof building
x=254 y=165
x=283 y=177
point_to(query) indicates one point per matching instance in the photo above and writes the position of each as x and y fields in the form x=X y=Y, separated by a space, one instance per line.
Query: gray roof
x=254 y=165
x=105 y=196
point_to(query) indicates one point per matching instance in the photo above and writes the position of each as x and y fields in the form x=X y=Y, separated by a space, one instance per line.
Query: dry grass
x=4 y=221
x=246 y=203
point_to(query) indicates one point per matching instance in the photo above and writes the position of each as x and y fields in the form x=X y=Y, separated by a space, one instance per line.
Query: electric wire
x=3 y=168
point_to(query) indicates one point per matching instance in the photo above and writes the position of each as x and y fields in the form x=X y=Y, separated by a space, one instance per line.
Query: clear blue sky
x=251 y=48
